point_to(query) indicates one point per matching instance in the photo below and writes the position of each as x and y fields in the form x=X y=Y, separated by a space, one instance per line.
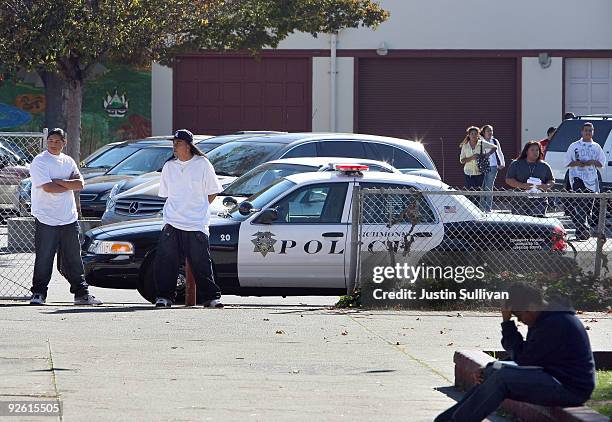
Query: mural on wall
x=116 y=105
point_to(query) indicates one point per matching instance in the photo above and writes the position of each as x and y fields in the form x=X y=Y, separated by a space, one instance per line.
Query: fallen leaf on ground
x=345 y=333
x=280 y=332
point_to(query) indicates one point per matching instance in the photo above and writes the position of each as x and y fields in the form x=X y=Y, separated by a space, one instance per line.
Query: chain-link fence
x=437 y=243
x=16 y=227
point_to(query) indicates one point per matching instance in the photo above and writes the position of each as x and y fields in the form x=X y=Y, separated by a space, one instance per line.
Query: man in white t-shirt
x=55 y=176
x=190 y=184
x=583 y=158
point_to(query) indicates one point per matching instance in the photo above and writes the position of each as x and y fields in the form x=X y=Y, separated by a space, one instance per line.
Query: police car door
x=388 y=233
x=304 y=247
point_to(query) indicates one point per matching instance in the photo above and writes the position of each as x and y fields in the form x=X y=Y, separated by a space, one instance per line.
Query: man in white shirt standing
x=55 y=177
x=583 y=158
x=190 y=184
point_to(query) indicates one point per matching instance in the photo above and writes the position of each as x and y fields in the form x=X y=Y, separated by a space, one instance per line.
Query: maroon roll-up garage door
x=218 y=95
x=435 y=100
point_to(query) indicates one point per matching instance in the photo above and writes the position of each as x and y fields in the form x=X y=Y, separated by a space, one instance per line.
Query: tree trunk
x=55 y=115
x=73 y=100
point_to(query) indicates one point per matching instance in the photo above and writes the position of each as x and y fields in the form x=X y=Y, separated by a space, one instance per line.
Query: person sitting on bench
x=553 y=366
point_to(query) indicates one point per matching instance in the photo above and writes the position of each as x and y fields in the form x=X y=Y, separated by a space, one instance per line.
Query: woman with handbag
x=474 y=156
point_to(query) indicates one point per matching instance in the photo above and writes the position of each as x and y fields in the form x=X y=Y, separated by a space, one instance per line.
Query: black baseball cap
x=184 y=135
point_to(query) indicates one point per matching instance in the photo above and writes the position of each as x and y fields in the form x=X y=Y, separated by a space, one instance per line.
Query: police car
x=293 y=237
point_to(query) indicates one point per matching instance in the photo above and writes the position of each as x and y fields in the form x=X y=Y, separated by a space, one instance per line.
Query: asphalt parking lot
x=257 y=359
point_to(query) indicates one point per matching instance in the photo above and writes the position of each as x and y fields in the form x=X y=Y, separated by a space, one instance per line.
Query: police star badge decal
x=263 y=242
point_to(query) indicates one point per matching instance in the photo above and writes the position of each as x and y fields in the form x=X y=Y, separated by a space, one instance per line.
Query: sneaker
x=87 y=300
x=37 y=299
x=161 y=302
x=214 y=303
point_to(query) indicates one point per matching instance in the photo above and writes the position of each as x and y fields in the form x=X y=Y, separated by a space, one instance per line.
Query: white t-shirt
x=187 y=185
x=53 y=209
x=585 y=151
x=498 y=153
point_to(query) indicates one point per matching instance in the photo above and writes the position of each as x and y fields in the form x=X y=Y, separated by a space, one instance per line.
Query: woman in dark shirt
x=529 y=172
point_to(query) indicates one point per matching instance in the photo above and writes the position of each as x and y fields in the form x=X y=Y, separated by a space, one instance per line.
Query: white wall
x=161 y=100
x=453 y=24
x=542 y=92
x=321 y=94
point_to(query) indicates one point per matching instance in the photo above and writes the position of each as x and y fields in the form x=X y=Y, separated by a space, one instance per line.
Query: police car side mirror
x=229 y=202
x=245 y=208
x=268 y=216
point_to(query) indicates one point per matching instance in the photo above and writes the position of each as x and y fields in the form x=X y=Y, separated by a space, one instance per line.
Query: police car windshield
x=261 y=177
x=236 y=158
x=264 y=197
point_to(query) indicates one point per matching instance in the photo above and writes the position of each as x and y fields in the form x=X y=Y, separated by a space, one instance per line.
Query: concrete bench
x=469 y=362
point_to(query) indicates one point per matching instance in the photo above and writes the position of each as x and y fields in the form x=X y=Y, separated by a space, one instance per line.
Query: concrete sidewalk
x=257 y=359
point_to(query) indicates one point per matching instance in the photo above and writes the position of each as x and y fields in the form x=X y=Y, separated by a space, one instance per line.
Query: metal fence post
x=43 y=141
x=190 y=286
x=355 y=242
x=601 y=236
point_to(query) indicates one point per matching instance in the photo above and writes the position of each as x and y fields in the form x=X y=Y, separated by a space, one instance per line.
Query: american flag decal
x=450 y=209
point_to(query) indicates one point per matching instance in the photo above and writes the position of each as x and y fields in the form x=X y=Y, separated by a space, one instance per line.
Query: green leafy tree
x=63 y=39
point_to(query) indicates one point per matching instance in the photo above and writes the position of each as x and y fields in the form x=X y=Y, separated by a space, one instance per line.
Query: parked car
x=143 y=201
x=97 y=189
x=237 y=157
x=23 y=151
x=292 y=237
x=13 y=169
x=570 y=131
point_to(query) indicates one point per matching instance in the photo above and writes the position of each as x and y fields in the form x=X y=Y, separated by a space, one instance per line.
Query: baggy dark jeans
x=175 y=244
x=63 y=240
x=531 y=385
x=581 y=210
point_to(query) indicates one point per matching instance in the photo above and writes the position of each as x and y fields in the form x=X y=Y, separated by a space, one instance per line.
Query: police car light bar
x=350 y=168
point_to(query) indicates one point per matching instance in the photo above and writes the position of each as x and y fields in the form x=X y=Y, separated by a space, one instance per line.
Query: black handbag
x=484 y=165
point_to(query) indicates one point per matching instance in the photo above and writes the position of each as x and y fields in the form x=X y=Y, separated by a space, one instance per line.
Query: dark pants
x=174 y=245
x=581 y=210
x=529 y=385
x=64 y=240
x=474 y=183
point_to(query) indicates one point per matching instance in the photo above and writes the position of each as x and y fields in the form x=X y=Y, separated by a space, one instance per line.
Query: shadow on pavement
x=102 y=309
x=456 y=395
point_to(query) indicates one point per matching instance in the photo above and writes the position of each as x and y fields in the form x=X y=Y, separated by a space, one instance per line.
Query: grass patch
x=601 y=399
x=349 y=301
